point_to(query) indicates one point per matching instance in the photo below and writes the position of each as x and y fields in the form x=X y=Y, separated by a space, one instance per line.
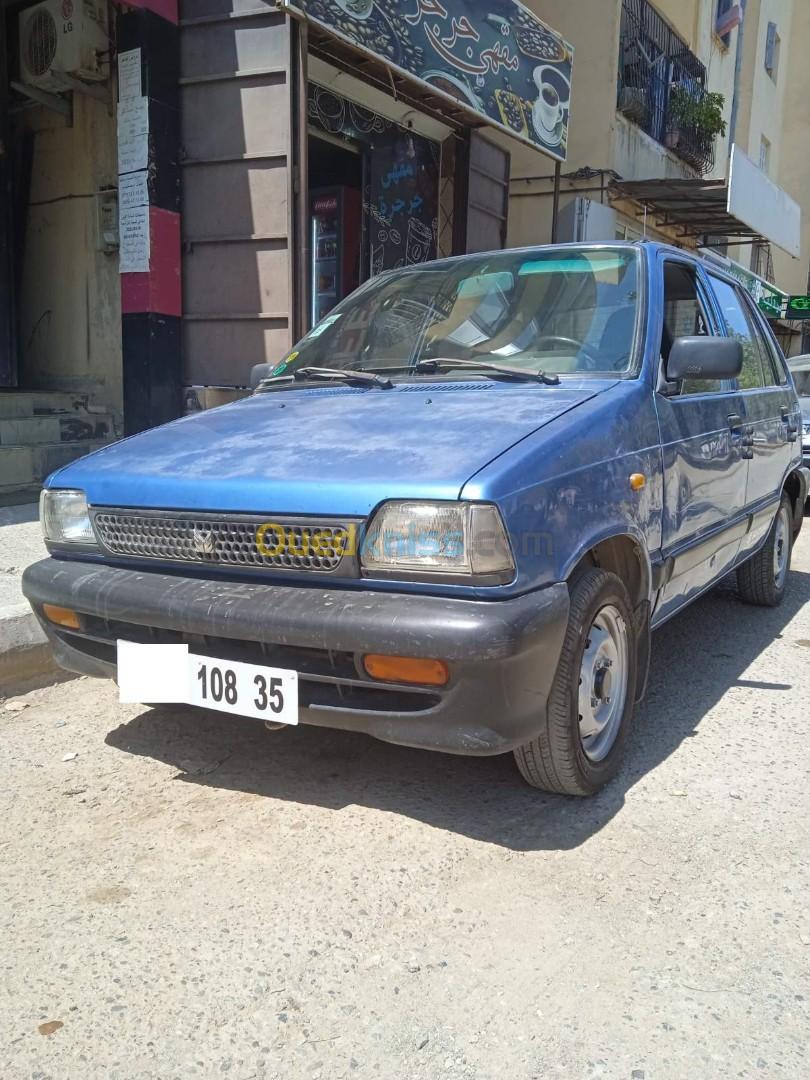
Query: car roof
x=648 y=246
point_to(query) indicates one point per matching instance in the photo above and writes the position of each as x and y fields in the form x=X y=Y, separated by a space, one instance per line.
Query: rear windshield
x=562 y=311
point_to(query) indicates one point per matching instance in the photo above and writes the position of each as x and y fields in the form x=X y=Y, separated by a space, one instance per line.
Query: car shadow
x=697 y=657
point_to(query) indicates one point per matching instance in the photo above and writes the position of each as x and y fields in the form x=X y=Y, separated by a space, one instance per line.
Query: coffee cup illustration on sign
x=548 y=112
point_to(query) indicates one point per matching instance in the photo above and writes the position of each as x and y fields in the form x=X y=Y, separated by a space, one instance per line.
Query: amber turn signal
x=404 y=669
x=638 y=481
x=61 y=616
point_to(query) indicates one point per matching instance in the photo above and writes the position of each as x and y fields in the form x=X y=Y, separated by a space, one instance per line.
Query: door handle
x=791 y=428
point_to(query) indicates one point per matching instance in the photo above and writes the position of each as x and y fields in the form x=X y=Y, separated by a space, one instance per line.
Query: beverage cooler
x=336 y=231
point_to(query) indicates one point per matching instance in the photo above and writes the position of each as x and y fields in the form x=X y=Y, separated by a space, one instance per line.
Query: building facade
x=652 y=148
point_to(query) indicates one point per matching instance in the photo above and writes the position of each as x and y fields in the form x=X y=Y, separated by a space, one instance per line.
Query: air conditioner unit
x=64 y=40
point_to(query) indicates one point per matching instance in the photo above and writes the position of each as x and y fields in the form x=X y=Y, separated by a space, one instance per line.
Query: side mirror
x=259 y=372
x=707 y=358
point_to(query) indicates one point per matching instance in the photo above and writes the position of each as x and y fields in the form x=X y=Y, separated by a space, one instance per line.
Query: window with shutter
x=723 y=8
x=772 y=44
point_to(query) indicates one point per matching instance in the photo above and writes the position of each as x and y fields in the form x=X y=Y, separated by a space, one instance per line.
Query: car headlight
x=65 y=517
x=430 y=540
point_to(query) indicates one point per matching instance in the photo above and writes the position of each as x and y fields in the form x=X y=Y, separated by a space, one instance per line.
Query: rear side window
x=772 y=360
x=774 y=354
x=757 y=370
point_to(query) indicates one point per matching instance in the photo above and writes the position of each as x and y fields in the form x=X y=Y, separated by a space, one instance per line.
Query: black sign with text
x=493 y=58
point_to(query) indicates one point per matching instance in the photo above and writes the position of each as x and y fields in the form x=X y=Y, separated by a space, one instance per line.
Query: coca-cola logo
x=325 y=206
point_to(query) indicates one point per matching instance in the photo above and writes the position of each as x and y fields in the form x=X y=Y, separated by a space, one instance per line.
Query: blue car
x=451 y=517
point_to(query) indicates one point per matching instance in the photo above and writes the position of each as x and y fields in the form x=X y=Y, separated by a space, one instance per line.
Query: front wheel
x=762 y=580
x=590 y=707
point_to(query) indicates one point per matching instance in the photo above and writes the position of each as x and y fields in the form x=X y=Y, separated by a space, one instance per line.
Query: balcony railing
x=657 y=72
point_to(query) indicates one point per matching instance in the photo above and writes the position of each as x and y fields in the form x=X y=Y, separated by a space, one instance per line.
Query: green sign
x=771 y=304
x=491 y=58
x=770 y=300
x=798 y=307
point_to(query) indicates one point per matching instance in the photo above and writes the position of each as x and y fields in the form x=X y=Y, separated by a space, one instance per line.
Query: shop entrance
x=335 y=211
x=374 y=197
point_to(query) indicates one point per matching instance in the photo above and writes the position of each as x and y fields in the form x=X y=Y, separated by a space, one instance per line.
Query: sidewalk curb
x=25 y=654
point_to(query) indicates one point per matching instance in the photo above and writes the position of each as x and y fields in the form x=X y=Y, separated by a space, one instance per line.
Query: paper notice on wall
x=135 y=246
x=133 y=134
x=133 y=117
x=129 y=74
x=133 y=153
x=133 y=190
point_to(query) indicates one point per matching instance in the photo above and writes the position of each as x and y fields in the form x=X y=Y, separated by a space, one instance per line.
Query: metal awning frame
x=696 y=207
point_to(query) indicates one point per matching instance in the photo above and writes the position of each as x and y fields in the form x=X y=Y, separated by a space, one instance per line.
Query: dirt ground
x=189 y=895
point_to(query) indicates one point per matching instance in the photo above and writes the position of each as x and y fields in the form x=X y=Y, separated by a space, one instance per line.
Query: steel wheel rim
x=603 y=680
x=781 y=547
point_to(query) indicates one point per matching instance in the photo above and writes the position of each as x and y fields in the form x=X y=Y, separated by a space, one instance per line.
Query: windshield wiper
x=520 y=374
x=319 y=374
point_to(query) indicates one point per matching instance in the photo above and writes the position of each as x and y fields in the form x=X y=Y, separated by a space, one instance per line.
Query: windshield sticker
x=322 y=326
x=282 y=367
x=590 y=265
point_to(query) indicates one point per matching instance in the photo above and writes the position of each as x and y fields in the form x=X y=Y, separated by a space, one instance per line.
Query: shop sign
x=770 y=300
x=798 y=307
x=493 y=58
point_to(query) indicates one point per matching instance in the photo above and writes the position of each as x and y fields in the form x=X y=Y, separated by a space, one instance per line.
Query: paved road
x=191 y=896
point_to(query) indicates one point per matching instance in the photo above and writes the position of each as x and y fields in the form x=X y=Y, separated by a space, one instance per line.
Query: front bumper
x=502 y=654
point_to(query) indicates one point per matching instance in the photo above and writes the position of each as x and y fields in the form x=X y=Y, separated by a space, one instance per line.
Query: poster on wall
x=401 y=196
x=402 y=201
x=494 y=58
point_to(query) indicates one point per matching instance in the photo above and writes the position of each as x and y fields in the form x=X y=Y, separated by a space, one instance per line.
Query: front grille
x=222 y=540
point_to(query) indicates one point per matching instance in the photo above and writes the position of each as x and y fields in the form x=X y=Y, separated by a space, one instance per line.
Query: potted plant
x=696 y=116
x=633 y=103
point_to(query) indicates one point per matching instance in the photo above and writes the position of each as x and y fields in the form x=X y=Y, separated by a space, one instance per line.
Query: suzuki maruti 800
x=451 y=517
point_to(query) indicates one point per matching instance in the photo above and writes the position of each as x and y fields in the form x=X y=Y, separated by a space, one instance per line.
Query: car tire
x=590 y=707
x=762 y=580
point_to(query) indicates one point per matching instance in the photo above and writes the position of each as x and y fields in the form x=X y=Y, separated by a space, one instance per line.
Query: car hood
x=326 y=450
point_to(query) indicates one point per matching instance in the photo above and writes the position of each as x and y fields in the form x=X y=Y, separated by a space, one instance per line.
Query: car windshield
x=561 y=311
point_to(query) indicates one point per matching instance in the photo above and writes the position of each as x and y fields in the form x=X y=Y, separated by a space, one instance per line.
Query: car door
x=704 y=462
x=771 y=428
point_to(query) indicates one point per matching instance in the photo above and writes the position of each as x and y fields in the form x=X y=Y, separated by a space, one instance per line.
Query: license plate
x=170 y=674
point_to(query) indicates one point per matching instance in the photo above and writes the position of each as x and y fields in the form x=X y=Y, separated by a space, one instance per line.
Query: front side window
x=757 y=370
x=562 y=311
x=684 y=316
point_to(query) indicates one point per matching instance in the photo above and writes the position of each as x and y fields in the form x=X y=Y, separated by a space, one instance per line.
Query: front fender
x=614 y=531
